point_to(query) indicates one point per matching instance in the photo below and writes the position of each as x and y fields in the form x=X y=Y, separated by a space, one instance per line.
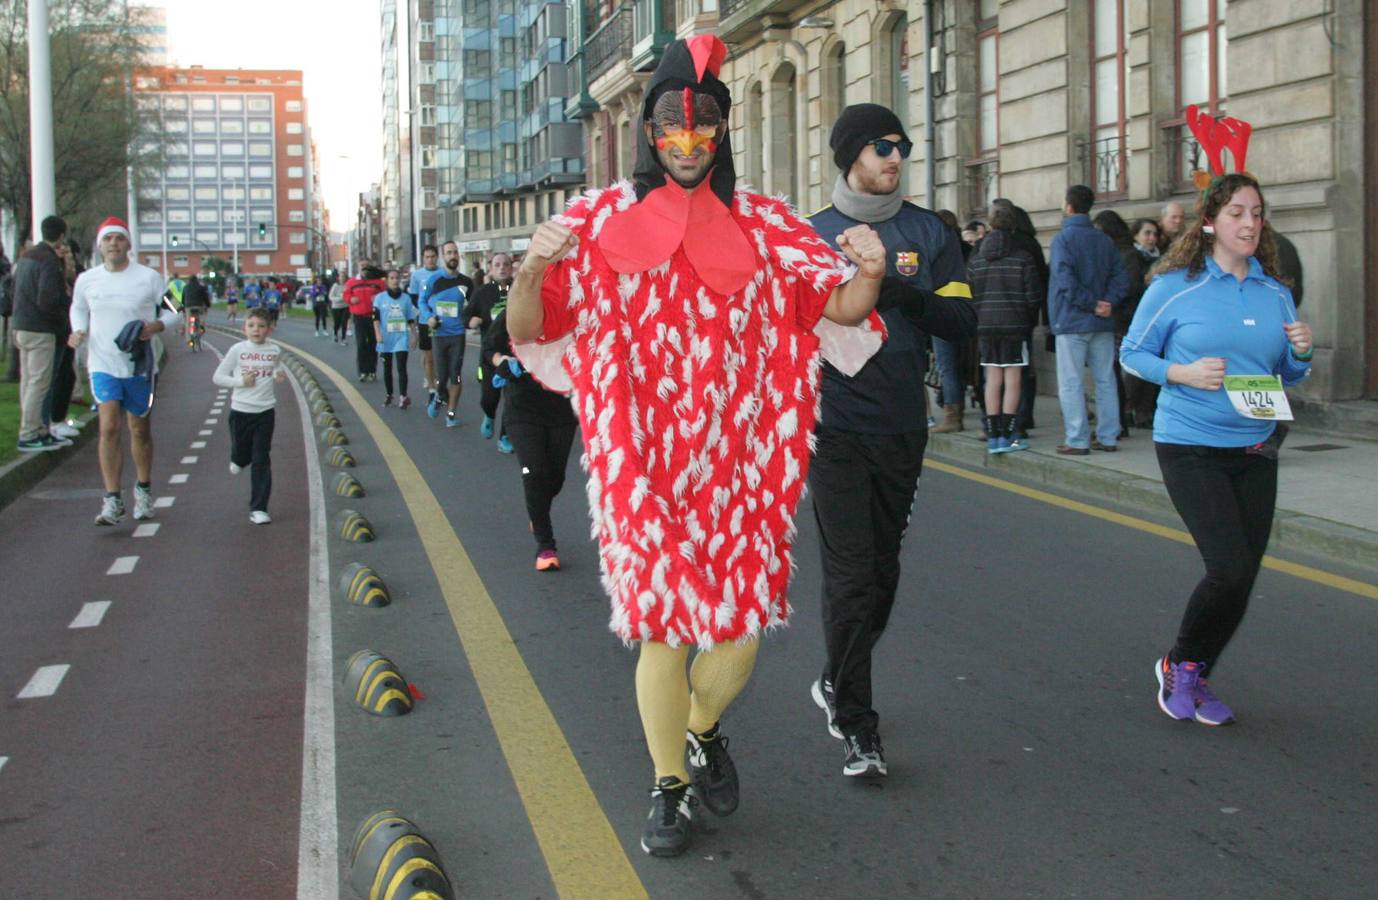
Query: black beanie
x=856 y=127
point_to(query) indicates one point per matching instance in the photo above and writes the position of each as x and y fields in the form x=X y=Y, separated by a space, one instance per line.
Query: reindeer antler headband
x=1215 y=135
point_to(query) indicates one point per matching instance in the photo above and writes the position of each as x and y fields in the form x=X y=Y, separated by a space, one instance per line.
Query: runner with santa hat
x=117 y=307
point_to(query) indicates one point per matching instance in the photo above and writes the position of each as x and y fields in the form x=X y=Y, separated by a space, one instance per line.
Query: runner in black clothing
x=542 y=427
x=487 y=300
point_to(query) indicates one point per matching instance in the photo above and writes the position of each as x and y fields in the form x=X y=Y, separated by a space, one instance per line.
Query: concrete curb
x=19 y=475
x=1291 y=530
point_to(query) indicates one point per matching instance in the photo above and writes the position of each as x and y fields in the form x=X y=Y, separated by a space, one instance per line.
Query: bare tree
x=95 y=129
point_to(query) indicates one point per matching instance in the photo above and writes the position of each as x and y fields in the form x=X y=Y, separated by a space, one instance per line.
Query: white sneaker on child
x=259 y=517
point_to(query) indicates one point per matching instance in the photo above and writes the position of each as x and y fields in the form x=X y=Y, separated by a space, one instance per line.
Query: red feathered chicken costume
x=687 y=323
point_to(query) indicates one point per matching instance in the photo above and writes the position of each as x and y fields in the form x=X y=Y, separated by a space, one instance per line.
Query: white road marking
x=91 y=614
x=211 y=421
x=148 y=529
x=3 y=760
x=189 y=460
x=44 y=682
x=198 y=445
x=205 y=433
x=317 y=845
x=164 y=502
x=122 y=565
x=179 y=478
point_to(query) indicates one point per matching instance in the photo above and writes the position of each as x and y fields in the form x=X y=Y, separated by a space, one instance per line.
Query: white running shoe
x=235 y=470
x=62 y=430
x=111 y=511
x=259 y=517
x=143 y=502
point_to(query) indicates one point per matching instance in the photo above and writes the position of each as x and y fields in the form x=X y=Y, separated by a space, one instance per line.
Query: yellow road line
x=1308 y=573
x=583 y=854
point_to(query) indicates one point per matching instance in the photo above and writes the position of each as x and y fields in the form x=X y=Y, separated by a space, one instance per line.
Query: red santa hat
x=112 y=225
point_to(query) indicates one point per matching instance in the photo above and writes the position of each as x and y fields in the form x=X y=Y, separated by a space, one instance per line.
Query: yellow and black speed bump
x=354 y=527
x=340 y=458
x=333 y=437
x=327 y=420
x=362 y=586
x=346 y=485
x=392 y=860
x=377 y=685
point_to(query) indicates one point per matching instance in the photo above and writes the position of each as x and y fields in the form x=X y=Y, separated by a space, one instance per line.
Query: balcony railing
x=1184 y=156
x=1107 y=165
x=609 y=44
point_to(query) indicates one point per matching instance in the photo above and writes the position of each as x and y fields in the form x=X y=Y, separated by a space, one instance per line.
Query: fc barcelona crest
x=907 y=262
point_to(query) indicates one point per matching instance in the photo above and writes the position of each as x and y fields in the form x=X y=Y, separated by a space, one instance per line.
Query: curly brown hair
x=1190 y=250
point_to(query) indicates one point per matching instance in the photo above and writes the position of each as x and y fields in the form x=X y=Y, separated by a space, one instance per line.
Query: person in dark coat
x=1109 y=223
x=1006 y=289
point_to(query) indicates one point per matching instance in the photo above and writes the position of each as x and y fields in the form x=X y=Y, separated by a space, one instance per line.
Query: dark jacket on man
x=1005 y=287
x=41 y=301
x=1085 y=269
x=1289 y=265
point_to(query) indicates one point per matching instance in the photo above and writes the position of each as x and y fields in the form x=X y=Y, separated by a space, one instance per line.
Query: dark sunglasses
x=885 y=147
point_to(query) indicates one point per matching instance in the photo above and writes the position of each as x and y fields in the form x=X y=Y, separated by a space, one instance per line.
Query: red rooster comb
x=1215 y=135
x=708 y=52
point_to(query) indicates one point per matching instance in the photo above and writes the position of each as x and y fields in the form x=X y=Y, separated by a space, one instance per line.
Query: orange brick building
x=237 y=173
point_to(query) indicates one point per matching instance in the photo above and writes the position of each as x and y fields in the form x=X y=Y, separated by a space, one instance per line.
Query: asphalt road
x=1027 y=754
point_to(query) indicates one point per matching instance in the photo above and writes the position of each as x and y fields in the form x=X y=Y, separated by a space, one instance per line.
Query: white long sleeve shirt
x=103 y=302
x=263 y=360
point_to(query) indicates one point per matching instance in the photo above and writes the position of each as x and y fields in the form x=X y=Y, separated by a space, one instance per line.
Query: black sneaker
x=865 y=757
x=713 y=771
x=823 y=696
x=667 y=826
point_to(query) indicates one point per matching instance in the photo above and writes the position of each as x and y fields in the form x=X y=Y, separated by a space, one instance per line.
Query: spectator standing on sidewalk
x=359 y=292
x=947 y=355
x=1088 y=282
x=41 y=302
x=252 y=368
x=442 y=307
x=1006 y=289
x=1216 y=309
x=1025 y=238
x=1109 y=223
x=394 y=324
x=1171 y=221
x=64 y=382
x=116 y=310
x=873 y=429
x=487 y=300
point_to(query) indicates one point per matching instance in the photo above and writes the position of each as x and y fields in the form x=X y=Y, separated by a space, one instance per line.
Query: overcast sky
x=333 y=42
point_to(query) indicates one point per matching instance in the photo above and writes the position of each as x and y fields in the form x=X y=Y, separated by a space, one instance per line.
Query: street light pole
x=43 y=186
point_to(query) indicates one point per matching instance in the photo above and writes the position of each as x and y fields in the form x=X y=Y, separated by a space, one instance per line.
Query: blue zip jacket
x=1084 y=268
x=1182 y=319
x=443 y=294
x=420 y=279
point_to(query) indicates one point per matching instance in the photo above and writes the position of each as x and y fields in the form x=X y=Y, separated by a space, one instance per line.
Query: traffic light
x=174 y=240
x=262 y=230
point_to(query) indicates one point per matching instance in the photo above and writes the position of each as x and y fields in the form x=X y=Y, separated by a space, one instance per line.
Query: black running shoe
x=667 y=825
x=713 y=771
x=865 y=757
x=822 y=691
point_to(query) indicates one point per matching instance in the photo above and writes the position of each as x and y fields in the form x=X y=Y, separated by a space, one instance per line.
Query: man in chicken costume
x=686 y=318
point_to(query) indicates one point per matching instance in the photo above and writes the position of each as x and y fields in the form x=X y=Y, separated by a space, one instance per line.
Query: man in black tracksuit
x=486 y=301
x=873 y=428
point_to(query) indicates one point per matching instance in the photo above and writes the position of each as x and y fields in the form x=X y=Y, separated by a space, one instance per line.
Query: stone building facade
x=1029 y=96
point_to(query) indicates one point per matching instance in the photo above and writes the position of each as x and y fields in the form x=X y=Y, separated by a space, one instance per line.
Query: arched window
x=784 y=132
x=628 y=145
x=755 y=156
x=834 y=73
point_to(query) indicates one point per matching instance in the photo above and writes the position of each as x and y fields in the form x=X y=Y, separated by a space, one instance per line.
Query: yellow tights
x=671 y=705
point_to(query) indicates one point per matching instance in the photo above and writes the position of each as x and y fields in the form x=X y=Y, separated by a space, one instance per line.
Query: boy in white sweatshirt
x=252 y=367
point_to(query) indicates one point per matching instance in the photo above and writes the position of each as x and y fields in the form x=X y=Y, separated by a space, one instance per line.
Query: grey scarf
x=869 y=208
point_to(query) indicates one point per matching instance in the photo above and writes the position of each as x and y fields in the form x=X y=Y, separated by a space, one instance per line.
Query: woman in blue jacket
x=1216 y=311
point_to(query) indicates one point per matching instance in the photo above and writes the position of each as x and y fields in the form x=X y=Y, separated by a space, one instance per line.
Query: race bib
x=1258 y=397
x=396 y=325
x=447 y=309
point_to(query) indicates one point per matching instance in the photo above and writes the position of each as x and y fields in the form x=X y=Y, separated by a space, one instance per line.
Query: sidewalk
x=1327 y=499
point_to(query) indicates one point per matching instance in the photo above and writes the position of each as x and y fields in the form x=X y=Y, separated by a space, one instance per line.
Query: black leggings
x=1226 y=498
x=544 y=454
x=251 y=441
x=365 y=345
x=401 y=357
x=489 y=396
x=341 y=322
x=322 y=311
